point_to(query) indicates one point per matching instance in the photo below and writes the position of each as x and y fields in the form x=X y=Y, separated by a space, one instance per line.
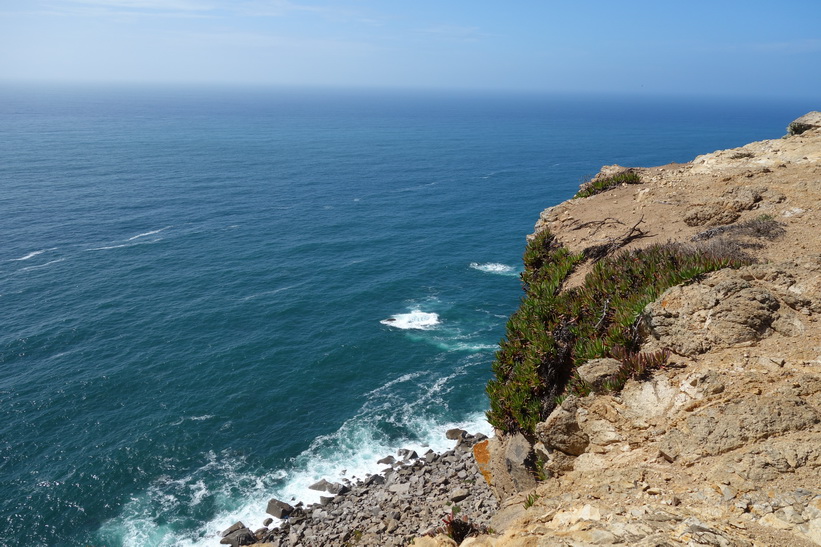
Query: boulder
x=242 y=536
x=233 y=528
x=596 y=371
x=278 y=509
x=458 y=495
x=561 y=431
x=455 y=434
x=407 y=454
x=320 y=486
x=337 y=488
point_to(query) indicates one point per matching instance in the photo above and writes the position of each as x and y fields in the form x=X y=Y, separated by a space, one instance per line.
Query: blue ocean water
x=215 y=296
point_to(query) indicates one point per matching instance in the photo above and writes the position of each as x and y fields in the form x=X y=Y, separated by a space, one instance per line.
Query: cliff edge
x=720 y=444
x=659 y=385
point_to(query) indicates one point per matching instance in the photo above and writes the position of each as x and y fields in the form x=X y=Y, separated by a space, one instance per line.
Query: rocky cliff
x=722 y=444
x=717 y=442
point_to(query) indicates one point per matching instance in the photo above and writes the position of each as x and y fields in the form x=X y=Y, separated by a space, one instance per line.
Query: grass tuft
x=597 y=186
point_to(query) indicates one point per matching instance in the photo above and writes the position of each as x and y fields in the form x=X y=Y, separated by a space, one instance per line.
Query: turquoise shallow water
x=211 y=297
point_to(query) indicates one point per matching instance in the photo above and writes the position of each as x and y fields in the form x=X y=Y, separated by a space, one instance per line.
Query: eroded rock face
x=717 y=431
x=729 y=308
x=811 y=120
x=723 y=445
x=507 y=462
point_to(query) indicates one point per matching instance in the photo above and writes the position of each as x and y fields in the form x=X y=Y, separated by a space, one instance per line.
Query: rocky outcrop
x=414 y=496
x=729 y=308
x=722 y=446
x=806 y=122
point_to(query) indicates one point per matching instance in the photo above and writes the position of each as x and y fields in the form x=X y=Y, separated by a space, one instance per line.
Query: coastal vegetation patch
x=556 y=330
x=599 y=185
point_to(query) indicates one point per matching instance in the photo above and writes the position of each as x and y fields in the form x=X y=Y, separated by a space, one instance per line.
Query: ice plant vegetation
x=557 y=329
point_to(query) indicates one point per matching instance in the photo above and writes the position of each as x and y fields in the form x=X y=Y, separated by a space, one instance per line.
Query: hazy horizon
x=594 y=47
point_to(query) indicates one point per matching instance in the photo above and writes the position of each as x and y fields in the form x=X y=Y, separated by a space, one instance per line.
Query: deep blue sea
x=211 y=297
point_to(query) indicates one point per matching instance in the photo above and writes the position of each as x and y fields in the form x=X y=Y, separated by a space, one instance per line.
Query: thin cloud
x=272 y=8
x=159 y=5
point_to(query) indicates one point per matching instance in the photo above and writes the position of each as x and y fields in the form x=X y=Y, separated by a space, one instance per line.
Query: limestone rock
x=561 y=431
x=437 y=541
x=510 y=466
x=710 y=215
x=811 y=120
x=518 y=462
x=596 y=371
x=724 y=310
x=712 y=431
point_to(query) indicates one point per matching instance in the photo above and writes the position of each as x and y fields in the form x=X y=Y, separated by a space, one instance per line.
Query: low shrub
x=556 y=330
x=597 y=186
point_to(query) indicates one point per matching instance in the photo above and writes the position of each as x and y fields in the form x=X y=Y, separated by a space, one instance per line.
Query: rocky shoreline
x=719 y=446
x=415 y=495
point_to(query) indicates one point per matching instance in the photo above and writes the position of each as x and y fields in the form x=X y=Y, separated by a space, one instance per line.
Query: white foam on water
x=350 y=453
x=466 y=346
x=42 y=265
x=144 y=234
x=32 y=255
x=414 y=319
x=494 y=268
x=404 y=378
x=120 y=246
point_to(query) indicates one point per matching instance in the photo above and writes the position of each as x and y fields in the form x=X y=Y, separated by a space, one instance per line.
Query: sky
x=697 y=47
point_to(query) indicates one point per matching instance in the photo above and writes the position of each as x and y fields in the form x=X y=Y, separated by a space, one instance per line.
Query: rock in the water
x=320 y=486
x=278 y=509
x=243 y=536
x=407 y=454
x=233 y=528
x=455 y=434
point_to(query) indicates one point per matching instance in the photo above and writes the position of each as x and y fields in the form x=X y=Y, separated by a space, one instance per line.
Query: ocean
x=214 y=296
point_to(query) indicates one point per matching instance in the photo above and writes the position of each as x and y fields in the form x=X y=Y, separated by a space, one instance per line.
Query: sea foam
x=351 y=452
x=32 y=254
x=494 y=268
x=145 y=234
x=42 y=265
x=414 y=319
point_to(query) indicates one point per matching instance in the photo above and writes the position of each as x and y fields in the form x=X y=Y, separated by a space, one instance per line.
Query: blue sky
x=698 y=47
